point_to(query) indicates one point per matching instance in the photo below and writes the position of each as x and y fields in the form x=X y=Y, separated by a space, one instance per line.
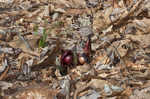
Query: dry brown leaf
x=102 y=57
x=127 y=91
x=137 y=67
x=33 y=42
x=143 y=40
x=37 y=92
x=119 y=46
x=79 y=3
x=143 y=25
x=4 y=74
x=73 y=3
x=107 y=14
x=73 y=12
x=84 y=68
x=98 y=84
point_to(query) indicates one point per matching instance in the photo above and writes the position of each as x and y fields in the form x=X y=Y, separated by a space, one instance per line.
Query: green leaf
x=42 y=42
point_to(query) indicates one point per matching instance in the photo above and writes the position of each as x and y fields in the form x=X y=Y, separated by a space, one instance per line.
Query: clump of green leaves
x=42 y=41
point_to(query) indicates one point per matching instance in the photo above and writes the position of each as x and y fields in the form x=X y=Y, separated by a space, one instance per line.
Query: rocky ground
x=74 y=49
